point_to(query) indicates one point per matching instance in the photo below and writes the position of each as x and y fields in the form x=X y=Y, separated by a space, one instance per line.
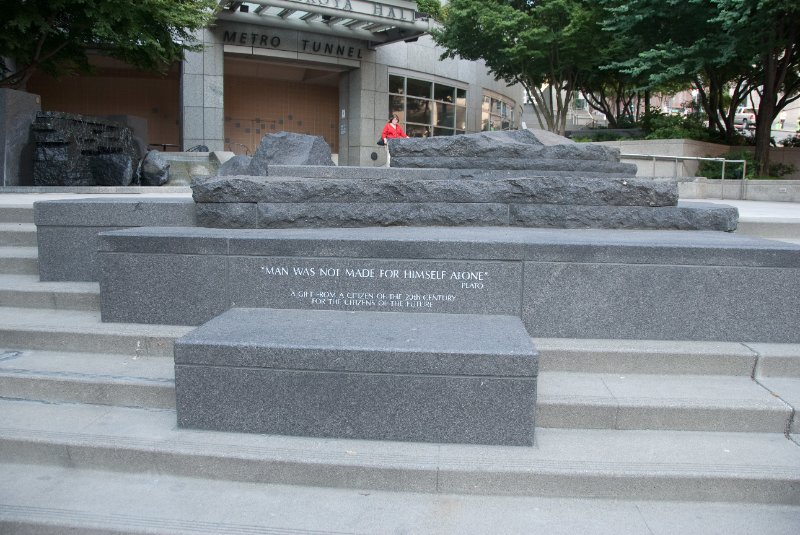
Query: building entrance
x=265 y=97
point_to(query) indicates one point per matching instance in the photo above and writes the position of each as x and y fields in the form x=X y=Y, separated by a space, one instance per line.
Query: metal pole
x=744 y=180
x=722 y=182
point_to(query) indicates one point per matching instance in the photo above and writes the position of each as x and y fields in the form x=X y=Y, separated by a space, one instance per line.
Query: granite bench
x=447 y=378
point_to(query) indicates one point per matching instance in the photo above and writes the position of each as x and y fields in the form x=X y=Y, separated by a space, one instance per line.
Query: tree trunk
x=766 y=112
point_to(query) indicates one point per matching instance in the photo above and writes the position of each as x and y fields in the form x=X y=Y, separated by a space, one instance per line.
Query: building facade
x=333 y=68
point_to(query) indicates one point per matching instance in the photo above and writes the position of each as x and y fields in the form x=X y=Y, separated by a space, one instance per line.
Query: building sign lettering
x=376 y=9
x=308 y=46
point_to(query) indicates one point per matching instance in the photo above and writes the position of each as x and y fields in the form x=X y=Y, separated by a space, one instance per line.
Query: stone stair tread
x=639 y=389
x=17 y=234
x=105 y=379
x=678 y=402
x=31 y=283
x=646 y=356
x=56 y=499
x=79 y=321
x=27 y=291
x=82 y=331
x=92 y=366
x=679 y=465
x=17 y=226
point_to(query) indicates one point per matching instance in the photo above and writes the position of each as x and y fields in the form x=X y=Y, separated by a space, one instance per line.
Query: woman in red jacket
x=392 y=130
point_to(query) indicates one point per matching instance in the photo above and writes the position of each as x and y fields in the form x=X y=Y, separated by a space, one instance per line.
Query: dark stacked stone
x=75 y=150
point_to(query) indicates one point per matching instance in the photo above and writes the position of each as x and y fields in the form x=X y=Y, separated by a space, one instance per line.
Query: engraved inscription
x=381 y=285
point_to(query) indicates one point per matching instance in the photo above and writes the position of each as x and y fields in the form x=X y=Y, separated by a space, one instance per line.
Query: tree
x=726 y=48
x=770 y=34
x=544 y=45
x=56 y=36
x=679 y=41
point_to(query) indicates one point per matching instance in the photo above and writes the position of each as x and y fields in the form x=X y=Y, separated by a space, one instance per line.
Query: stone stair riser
x=16 y=214
x=86 y=342
x=150 y=394
x=17 y=238
x=19 y=266
x=50 y=300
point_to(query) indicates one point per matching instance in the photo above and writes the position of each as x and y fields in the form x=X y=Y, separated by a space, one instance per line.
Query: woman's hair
x=393 y=116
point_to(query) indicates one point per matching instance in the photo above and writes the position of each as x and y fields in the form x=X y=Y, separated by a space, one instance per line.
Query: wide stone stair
x=633 y=436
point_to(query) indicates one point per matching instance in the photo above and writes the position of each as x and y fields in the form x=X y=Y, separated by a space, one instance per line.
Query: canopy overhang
x=378 y=23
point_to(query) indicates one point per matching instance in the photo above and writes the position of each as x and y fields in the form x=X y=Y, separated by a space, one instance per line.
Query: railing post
x=744 y=180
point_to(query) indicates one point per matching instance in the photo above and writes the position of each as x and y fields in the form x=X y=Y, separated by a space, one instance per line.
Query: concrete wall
x=688 y=147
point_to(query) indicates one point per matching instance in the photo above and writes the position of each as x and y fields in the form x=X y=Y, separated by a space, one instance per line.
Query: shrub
x=713 y=170
x=793 y=141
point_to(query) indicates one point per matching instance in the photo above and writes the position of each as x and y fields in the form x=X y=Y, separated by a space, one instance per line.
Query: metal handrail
x=676 y=159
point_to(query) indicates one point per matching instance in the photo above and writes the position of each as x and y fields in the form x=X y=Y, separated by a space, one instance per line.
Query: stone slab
x=419 y=214
x=531 y=164
x=661 y=285
x=688 y=216
x=368 y=173
x=521 y=190
x=67 y=229
x=395 y=376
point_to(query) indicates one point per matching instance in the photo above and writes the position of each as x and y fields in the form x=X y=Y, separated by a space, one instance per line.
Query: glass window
x=444 y=93
x=496 y=114
x=397 y=84
x=445 y=114
x=461 y=97
x=397 y=104
x=418 y=130
x=418 y=110
x=461 y=117
x=426 y=108
x=418 y=88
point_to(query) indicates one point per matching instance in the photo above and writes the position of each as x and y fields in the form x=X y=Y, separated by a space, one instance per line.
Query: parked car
x=745 y=118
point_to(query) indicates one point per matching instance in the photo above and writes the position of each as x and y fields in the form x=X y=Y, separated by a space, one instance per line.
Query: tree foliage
x=540 y=45
x=770 y=36
x=55 y=36
x=725 y=48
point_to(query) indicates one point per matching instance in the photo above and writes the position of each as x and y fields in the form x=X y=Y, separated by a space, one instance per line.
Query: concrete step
x=565 y=400
x=682 y=403
x=16 y=213
x=777 y=360
x=612 y=464
x=50 y=500
x=788 y=390
x=17 y=234
x=26 y=291
x=82 y=331
x=97 y=378
x=19 y=260
x=665 y=357
x=771 y=228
